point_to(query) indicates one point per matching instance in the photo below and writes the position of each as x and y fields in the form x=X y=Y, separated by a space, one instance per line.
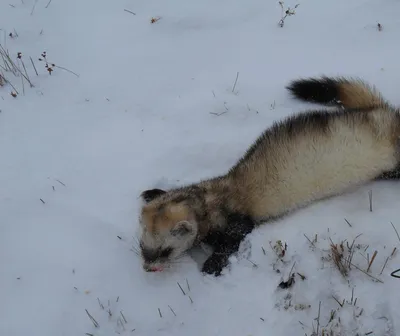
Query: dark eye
x=165 y=253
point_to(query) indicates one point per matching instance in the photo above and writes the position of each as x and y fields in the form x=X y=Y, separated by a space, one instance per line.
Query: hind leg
x=390 y=175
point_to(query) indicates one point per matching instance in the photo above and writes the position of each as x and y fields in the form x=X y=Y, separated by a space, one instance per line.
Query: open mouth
x=154 y=269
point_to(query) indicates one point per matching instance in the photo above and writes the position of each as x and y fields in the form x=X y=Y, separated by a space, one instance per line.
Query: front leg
x=227 y=242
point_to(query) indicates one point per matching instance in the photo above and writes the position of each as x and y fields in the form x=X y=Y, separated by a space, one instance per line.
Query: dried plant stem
x=309 y=239
x=397 y=233
x=319 y=315
x=92 y=319
x=126 y=10
x=348 y=222
x=62 y=68
x=234 y=85
x=171 y=310
x=34 y=6
x=384 y=265
x=100 y=304
x=340 y=304
x=367 y=273
x=181 y=288
x=187 y=283
x=33 y=64
x=123 y=316
x=372 y=260
x=370 y=200
x=8 y=82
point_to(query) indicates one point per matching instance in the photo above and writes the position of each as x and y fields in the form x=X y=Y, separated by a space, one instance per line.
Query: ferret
x=301 y=159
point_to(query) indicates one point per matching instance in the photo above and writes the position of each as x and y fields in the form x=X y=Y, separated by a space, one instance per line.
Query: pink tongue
x=156 y=269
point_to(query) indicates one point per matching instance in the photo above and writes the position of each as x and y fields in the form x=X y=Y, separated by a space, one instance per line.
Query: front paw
x=214 y=265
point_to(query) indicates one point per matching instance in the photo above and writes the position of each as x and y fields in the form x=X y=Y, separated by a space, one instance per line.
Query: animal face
x=168 y=230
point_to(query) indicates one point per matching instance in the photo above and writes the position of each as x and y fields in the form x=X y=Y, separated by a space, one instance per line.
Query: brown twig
x=372 y=260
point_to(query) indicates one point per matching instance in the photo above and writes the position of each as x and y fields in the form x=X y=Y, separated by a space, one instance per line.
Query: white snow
x=153 y=107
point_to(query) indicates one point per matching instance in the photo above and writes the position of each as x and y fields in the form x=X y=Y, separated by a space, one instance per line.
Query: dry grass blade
x=397 y=233
x=372 y=260
x=92 y=319
x=319 y=315
x=123 y=317
x=127 y=10
x=309 y=239
x=11 y=65
x=171 y=310
x=338 y=302
x=234 y=85
x=376 y=279
x=337 y=257
x=34 y=67
x=181 y=288
x=384 y=265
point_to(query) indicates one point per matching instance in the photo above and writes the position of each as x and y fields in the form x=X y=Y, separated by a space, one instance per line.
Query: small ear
x=151 y=194
x=182 y=228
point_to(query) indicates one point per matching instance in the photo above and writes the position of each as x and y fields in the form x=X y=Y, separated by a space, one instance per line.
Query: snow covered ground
x=153 y=106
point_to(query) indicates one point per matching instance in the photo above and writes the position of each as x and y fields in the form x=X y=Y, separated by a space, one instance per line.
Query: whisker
x=135 y=248
x=136 y=252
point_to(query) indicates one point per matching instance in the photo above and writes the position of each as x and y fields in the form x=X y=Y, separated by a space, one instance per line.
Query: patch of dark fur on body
x=304 y=158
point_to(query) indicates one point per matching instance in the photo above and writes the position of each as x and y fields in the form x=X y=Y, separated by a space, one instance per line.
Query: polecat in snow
x=304 y=158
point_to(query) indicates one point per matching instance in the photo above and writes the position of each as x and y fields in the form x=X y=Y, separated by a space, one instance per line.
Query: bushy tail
x=349 y=93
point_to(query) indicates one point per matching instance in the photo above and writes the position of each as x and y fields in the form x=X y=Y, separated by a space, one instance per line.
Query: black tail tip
x=317 y=90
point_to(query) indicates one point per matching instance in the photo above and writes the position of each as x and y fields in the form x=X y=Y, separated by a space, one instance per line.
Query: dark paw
x=151 y=194
x=214 y=265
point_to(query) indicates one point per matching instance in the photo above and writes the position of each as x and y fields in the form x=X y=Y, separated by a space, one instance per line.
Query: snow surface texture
x=153 y=107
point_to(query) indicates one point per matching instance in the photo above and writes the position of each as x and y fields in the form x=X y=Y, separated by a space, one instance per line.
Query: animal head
x=169 y=228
